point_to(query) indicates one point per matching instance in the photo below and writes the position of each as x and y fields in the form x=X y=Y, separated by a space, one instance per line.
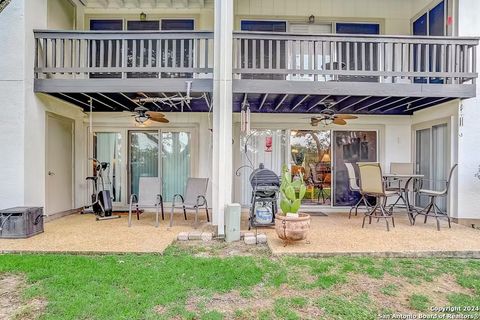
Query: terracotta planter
x=292 y=228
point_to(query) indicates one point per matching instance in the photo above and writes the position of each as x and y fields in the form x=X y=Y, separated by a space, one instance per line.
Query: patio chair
x=353 y=186
x=149 y=196
x=372 y=184
x=433 y=195
x=400 y=184
x=195 y=198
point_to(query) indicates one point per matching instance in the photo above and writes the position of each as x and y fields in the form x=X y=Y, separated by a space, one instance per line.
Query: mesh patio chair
x=149 y=196
x=372 y=184
x=432 y=209
x=354 y=187
x=195 y=198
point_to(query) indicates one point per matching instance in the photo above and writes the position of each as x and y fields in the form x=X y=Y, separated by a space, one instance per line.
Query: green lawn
x=190 y=283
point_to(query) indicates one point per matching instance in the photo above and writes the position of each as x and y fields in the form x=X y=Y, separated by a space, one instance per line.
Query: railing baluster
x=206 y=53
x=62 y=53
x=102 y=54
x=474 y=64
x=141 y=54
x=54 y=53
x=278 y=55
x=109 y=53
x=182 y=53
x=117 y=53
x=347 y=56
x=149 y=53
x=270 y=54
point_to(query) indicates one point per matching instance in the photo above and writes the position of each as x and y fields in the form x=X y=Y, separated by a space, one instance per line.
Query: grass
x=419 y=302
x=242 y=287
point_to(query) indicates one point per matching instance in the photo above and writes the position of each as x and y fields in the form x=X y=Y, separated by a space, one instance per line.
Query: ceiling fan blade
x=162 y=120
x=154 y=114
x=346 y=116
x=339 y=121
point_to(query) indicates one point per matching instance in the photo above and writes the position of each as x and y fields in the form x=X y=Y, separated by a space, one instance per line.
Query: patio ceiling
x=259 y=103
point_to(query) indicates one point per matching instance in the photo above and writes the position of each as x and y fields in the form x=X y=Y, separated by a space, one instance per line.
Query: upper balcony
x=276 y=72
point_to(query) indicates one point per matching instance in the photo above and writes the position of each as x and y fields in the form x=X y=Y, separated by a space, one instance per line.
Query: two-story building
x=241 y=82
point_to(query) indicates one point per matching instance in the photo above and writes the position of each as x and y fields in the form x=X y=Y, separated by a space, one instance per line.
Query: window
x=432 y=22
x=420 y=26
x=143 y=25
x=358 y=28
x=178 y=24
x=106 y=24
x=264 y=25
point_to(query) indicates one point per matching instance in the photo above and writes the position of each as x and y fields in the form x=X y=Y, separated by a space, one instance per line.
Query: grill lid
x=262 y=177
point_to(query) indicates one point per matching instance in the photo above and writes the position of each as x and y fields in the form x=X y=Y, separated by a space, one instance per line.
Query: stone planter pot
x=292 y=228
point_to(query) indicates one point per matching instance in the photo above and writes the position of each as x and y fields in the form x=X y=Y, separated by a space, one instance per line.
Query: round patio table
x=409 y=178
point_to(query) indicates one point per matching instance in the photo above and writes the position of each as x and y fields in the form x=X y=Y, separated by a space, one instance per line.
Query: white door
x=59 y=168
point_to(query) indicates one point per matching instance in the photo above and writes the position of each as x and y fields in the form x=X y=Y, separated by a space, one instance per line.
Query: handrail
x=355 y=58
x=123 y=54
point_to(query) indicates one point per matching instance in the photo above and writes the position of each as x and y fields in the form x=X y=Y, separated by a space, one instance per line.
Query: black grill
x=265 y=184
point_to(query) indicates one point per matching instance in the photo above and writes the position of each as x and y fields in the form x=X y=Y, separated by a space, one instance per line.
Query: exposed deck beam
x=116 y=85
x=354 y=88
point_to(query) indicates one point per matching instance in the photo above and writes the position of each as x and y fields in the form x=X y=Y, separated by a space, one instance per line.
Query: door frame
x=287 y=125
x=193 y=151
x=124 y=130
x=51 y=115
x=450 y=156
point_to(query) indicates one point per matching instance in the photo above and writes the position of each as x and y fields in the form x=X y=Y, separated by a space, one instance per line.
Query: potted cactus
x=290 y=224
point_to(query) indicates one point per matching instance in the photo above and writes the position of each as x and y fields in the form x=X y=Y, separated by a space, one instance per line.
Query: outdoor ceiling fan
x=143 y=114
x=327 y=116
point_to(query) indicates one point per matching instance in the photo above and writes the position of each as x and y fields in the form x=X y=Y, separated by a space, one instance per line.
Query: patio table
x=409 y=178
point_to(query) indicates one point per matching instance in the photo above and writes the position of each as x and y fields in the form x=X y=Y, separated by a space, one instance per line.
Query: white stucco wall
x=469 y=146
x=12 y=101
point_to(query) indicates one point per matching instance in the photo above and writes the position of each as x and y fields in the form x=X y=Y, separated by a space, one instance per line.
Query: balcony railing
x=355 y=58
x=123 y=54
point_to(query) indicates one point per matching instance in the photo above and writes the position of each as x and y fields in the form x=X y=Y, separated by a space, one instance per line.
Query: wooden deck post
x=222 y=171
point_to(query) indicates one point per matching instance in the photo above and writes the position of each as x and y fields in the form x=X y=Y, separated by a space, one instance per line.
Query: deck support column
x=222 y=171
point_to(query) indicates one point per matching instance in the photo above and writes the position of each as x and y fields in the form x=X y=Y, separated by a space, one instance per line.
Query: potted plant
x=290 y=224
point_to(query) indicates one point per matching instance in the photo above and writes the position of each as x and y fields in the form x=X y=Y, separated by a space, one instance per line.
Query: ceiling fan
x=143 y=114
x=328 y=116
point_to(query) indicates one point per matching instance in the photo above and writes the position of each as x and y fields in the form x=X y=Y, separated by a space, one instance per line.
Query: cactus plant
x=290 y=202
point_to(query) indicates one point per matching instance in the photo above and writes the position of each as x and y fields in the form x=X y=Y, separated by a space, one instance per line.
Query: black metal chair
x=195 y=198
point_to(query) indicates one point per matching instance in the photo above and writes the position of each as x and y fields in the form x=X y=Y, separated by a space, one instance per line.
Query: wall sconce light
x=311 y=19
x=143 y=16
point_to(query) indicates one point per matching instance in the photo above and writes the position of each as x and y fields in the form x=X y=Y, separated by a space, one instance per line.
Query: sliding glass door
x=176 y=162
x=143 y=159
x=166 y=154
x=432 y=160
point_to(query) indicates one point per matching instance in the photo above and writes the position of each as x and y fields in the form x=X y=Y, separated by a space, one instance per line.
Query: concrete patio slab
x=335 y=234
x=83 y=234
